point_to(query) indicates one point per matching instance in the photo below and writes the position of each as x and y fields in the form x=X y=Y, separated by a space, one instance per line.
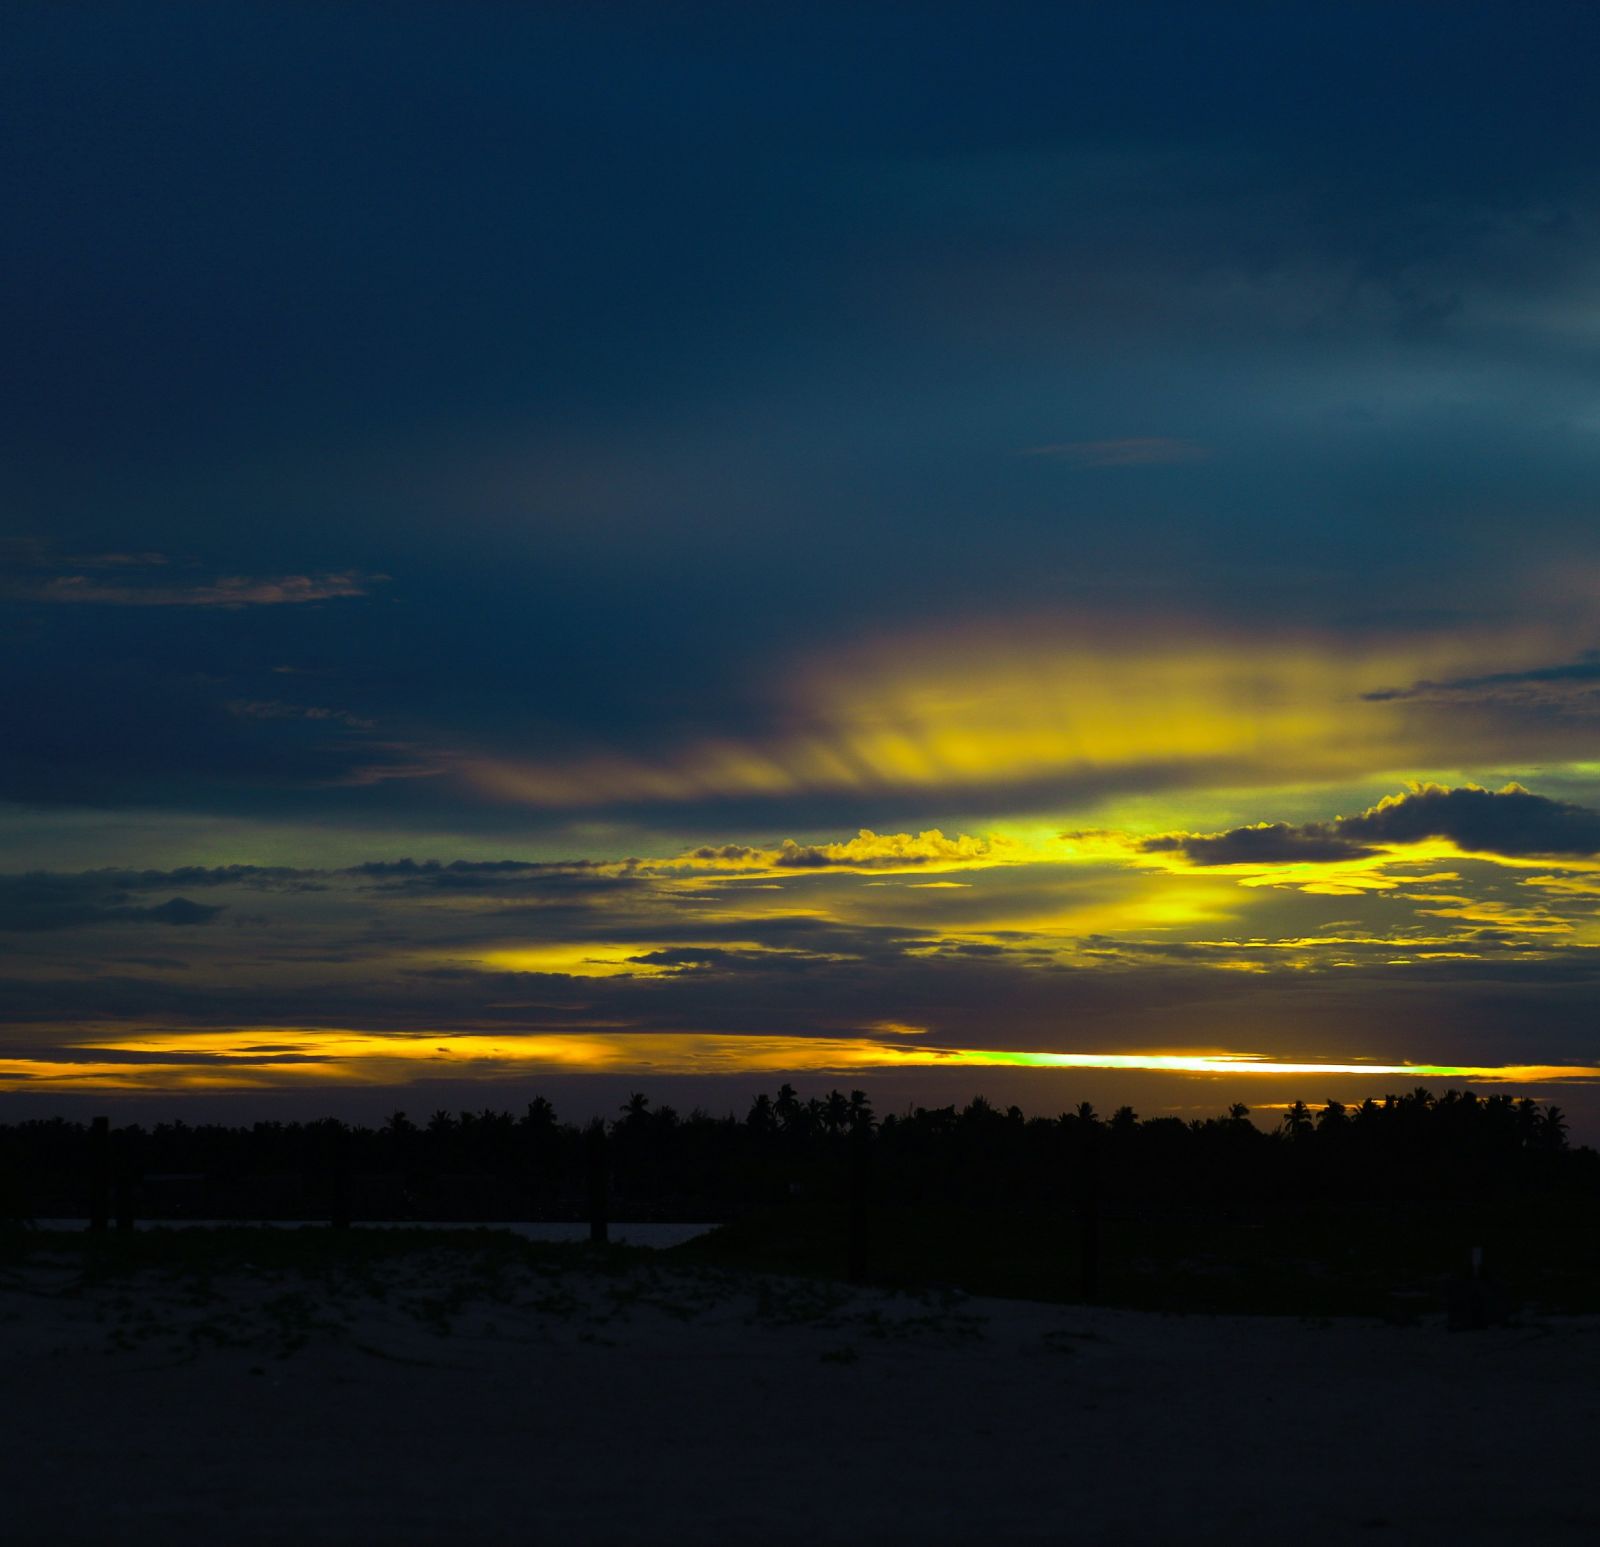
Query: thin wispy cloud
x=276 y=709
x=1134 y=451
x=31 y=570
x=227 y=592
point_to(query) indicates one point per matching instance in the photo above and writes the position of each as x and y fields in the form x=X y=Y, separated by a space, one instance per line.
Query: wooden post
x=596 y=1157
x=100 y=1173
x=860 y=1203
x=124 y=1182
x=1089 y=1220
x=339 y=1180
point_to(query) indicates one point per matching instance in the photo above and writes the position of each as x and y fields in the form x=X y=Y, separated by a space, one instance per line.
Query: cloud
x=259 y=877
x=181 y=911
x=688 y=956
x=866 y=851
x=227 y=592
x=510 y=948
x=428 y=950
x=1512 y=822
x=30 y=553
x=1136 y=451
x=41 y=901
x=275 y=709
x=1268 y=843
x=543 y=881
x=145 y=579
x=52 y=900
x=145 y=560
x=1571 y=688
x=470 y=872
x=1022 y=713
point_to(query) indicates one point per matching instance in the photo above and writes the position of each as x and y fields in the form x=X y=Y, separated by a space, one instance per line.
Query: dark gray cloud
x=1272 y=843
x=524 y=885
x=1571 y=688
x=269 y=878
x=1513 y=822
x=480 y=873
x=42 y=901
x=181 y=910
x=55 y=900
x=686 y=956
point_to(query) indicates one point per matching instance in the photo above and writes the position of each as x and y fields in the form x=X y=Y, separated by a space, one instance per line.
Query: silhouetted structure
x=598 y=1164
x=100 y=1174
x=860 y=1225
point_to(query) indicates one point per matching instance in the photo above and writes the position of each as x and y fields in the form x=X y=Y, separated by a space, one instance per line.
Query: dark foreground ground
x=389 y=1387
x=1390 y=1260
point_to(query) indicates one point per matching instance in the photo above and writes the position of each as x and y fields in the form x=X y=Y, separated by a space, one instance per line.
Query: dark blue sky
x=575 y=432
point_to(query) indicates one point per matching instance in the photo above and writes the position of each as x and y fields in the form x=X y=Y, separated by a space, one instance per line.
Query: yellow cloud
x=1022 y=702
x=930 y=851
x=1500 y=915
x=584 y=959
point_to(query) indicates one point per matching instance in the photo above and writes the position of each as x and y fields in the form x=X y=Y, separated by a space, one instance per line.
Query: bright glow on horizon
x=1250 y=1063
x=261 y=1058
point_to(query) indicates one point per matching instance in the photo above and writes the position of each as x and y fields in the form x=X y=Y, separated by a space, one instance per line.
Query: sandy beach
x=626 y=1399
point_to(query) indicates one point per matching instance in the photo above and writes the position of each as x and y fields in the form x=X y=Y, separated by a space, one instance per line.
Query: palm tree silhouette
x=835 y=1112
x=761 y=1119
x=787 y=1107
x=1553 y=1130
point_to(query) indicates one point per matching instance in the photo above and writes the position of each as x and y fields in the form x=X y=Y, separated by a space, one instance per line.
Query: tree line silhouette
x=660 y=1164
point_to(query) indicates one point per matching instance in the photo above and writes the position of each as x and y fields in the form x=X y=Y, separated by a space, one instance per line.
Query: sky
x=1040 y=549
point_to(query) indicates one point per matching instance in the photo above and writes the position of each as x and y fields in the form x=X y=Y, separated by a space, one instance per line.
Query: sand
x=663 y=1404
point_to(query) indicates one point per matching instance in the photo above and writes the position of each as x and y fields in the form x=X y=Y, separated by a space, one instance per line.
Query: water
x=653 y=1234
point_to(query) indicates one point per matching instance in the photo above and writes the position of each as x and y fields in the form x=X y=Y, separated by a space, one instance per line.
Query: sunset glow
x=847 y=545
x=276 y=1057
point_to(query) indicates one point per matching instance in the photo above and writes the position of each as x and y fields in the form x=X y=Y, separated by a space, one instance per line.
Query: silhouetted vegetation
x=1338 y=1208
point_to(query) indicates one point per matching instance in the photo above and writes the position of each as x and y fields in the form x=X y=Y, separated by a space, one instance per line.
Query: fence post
x=123 y=1159
x=1089 y=1219
x=100 y=1173
x=339 y=1179
x=860 y=1202
x=596 y=1158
